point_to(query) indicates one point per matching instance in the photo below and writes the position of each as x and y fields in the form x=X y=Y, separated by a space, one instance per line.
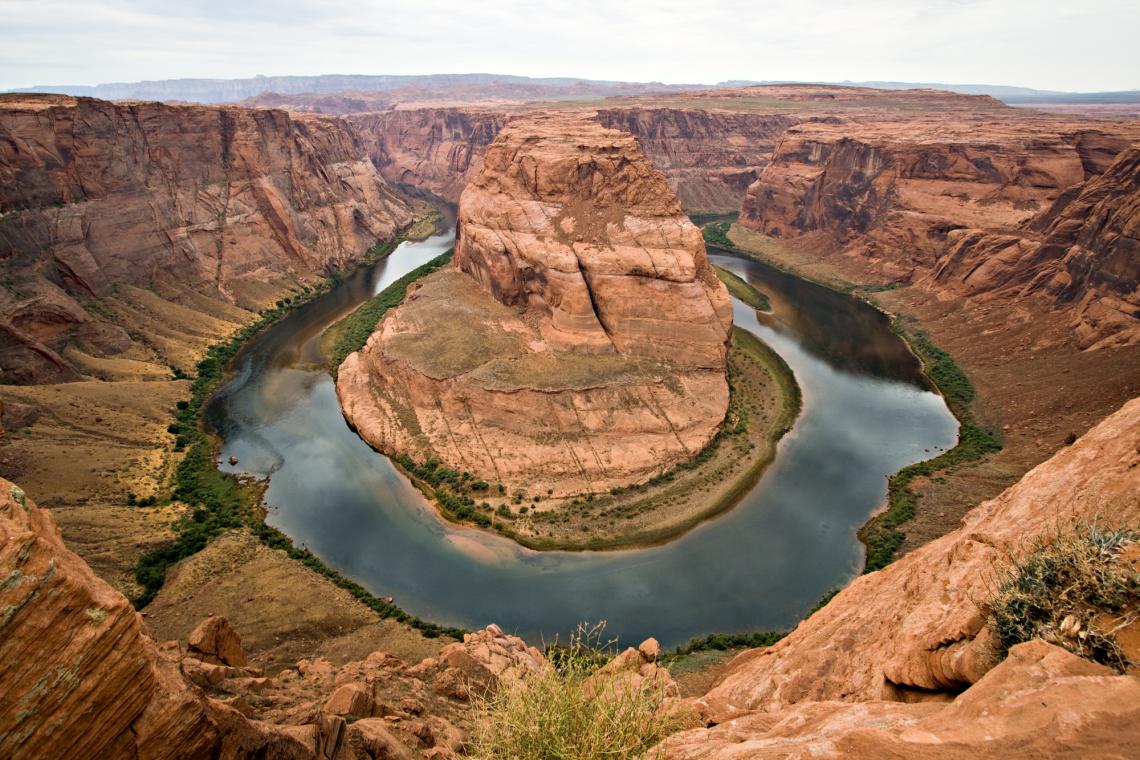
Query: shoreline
x=791 y=405
x=880 y=534
x=230 y=502
x=456 y=502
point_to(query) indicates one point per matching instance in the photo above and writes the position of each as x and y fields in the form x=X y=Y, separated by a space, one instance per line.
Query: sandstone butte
x=119 y=205
x=896 y=665
x=579 y=341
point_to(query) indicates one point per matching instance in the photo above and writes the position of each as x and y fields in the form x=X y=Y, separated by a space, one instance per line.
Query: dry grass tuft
x=1065 y=589
x=574 y=711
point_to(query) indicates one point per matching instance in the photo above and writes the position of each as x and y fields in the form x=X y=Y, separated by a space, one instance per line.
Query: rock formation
x=961 y=207
x=1083 y=251
x=709 y=157
x=579 y=342
x=436 y=149
x=234 y=204
x=914 y=632
x=82 y=678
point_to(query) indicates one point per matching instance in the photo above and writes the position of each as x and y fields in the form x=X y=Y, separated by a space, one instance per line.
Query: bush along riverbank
x=351 y=333
x=219 y=502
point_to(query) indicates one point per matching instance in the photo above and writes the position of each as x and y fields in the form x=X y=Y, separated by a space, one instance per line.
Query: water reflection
x=761 y=565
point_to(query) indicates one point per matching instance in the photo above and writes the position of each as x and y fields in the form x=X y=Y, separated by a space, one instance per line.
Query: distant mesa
x=579 y=341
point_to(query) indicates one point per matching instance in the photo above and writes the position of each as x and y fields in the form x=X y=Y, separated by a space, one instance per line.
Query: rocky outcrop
x=237 y=205
x=709 y=158
x=579 y=342
x=915 y=629
x=1042 y=701
x=81 y=678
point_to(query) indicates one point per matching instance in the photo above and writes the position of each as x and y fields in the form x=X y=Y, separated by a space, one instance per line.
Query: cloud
x=993 y=41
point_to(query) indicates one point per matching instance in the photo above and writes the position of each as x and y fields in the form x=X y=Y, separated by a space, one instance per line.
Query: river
x=762 y=565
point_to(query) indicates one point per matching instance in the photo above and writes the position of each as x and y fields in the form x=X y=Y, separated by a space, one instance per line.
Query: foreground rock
x=579 y=342
x=82 y=678
x=186 y=201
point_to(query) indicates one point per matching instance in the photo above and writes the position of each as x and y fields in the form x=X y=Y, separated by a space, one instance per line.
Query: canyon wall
x=237 y=205
x=968 y=208
x=578 y=344
x=437 y=149
x=708 y=157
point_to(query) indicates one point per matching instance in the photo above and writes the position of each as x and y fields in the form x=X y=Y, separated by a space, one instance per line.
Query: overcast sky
x=1085 y=45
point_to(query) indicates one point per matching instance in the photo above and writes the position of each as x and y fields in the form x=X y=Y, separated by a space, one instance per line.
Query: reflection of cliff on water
x=846 y=332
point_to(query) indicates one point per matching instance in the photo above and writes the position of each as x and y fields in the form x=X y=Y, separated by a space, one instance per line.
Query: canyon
x=128 y=208
x=134 y=235
x=578 y=343
x=89 y=679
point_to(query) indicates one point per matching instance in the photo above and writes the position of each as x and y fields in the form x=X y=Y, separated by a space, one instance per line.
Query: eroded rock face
x=234 y=204
x=437 y=149
x=1083 y=252
x=579 y=342
x=969 y=208
x=1042 y=701
x=81 y=678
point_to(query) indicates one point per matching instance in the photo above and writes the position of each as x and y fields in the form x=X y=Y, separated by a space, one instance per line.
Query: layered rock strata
x=82 y=677
x=968 y=208
x=579 y=341
x=237 y=205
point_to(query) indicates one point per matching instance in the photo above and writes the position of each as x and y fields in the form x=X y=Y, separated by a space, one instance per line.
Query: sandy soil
x=283 y=611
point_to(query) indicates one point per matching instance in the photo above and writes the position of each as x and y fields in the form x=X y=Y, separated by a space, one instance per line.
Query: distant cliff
x=969 y=208
x=237 y=205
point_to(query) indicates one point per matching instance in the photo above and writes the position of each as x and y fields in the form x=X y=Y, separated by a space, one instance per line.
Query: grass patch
x=721 y=642
x=742 y=289
x=352 y=332
x=1072 y=590
x=575 y=710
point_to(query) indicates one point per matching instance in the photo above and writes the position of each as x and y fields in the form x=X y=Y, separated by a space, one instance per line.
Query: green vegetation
x=220 y=502
x=1073 y=590
x=450 y=488
x=575 y=711
x=724 y=641
x=716 y=235
x=743 y=290
x=881 y=534
x=351 y=333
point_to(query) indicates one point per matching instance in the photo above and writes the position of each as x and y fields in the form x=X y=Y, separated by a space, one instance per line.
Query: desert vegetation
x=577 y=709
x=1077 y=589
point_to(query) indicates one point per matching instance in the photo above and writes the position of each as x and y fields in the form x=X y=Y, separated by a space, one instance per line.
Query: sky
x=1079 y=46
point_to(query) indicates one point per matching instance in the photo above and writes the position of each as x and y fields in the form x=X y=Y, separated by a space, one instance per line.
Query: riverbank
x=222 y=503
x=1024 y=383
x=764 y=401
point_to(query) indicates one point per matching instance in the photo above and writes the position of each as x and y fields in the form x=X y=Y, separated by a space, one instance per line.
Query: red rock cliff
x=235 y=204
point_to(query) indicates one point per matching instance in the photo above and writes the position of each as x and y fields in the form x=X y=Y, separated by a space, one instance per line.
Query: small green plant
x=1064 y=590
x=575 y=709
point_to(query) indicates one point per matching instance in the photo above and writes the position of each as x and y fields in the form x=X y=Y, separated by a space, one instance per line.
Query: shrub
x=1060 y=590
x=574 y=711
